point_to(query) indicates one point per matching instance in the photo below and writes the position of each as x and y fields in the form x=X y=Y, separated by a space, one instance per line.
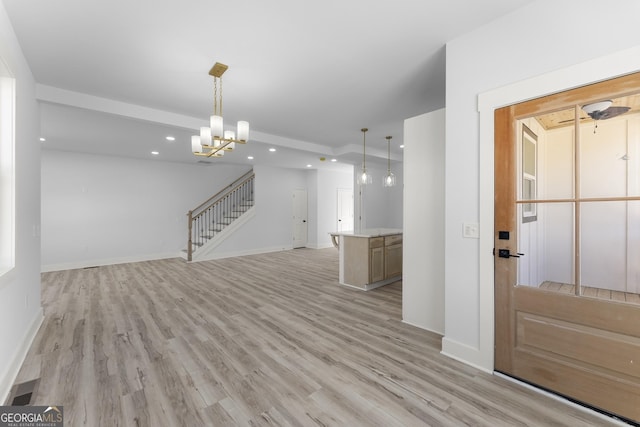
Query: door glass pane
x=610 y=250
x=548 y=170
x=603 y=172
x=547 y=245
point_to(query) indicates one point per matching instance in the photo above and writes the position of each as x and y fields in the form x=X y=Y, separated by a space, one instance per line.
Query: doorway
x=345 y=210
x=299 y=209
x=567 y=241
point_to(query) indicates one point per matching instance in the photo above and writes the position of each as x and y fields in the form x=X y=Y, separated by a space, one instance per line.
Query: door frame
x=305 y=240
x=339 y=192
x=603 y=68
x=544 y=320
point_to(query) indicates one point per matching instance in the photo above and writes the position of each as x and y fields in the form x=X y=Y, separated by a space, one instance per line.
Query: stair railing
x=218 y=211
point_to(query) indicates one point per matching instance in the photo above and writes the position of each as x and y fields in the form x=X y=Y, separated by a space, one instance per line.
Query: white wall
x=272 y=227
x=423 y=241
x=380 y=207
x=325 y=206
x=20 y=311
x=100 y=210
x=510 y=51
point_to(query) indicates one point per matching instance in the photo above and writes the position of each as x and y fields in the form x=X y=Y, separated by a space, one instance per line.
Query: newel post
x=189 y=242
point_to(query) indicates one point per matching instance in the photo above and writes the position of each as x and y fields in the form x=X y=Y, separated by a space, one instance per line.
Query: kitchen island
x=369 y=258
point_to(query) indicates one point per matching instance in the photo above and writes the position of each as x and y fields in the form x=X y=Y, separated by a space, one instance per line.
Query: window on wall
x=529 y=173
x=7 y=175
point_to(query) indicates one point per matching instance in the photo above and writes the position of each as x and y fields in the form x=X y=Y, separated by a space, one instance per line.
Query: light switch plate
x=471 y=230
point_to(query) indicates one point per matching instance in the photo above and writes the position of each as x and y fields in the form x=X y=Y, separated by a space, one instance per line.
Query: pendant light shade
x=389 y=179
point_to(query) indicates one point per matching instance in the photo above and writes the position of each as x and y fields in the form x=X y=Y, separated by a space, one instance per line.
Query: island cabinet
x=392 y=256
x=369 y=259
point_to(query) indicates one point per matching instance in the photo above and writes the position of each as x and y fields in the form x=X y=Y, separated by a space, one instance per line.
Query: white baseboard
x=464 y=353
x=11 y=371
x=246 y=252
x=422 y=327
x=319 y=246
x=108 y=261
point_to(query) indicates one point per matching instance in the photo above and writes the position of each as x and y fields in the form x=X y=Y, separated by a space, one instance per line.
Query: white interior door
x=345 y=210
x=299 y=218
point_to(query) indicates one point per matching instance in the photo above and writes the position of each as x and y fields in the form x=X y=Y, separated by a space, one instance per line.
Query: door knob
x=505 y=253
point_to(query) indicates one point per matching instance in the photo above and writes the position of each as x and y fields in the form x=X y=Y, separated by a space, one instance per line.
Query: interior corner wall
x=20 y=309
x=379 y=206
x=272 y=228
x=507 y=51
x=423 y=241
x=99 y=210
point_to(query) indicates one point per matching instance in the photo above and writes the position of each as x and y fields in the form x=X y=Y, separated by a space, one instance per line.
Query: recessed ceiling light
x=250 y=157
x=155 y=153
x=334 y=160
x=308 y=166
x=171 y=138
x=42 y=139
x=402 y=146
x=272 y=149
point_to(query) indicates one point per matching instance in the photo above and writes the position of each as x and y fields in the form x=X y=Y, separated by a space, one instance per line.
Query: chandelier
x=213 y=141
x=364 y=177
x=390 y=178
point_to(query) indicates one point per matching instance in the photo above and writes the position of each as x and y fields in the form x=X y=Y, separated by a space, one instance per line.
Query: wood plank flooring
x=269 y=339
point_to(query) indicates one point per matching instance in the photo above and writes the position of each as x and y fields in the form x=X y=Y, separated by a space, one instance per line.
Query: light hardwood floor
x=260 y=340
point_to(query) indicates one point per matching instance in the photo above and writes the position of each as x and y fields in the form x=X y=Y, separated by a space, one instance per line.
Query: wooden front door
x=567 y=244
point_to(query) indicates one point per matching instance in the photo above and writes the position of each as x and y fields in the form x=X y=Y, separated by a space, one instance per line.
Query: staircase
x=210 y=218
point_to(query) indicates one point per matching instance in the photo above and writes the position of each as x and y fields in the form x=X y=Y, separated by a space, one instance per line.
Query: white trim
x=599 y=69
x=374 y=285
x=12 y=371
x=108 y=261
x=415 y=325
x=468 y=355
x=319 y=245
x=246 y=252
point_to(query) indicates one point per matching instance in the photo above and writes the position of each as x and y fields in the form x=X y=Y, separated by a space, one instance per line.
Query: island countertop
x=369 y=232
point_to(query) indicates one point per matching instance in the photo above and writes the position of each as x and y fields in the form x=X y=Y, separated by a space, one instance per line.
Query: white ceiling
x=306 y=75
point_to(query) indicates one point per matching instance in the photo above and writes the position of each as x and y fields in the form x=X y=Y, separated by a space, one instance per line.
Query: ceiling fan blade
x=611 y=112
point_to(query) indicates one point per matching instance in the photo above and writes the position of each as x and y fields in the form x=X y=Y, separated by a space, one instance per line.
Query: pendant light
x=364 y=177
x=390 y=178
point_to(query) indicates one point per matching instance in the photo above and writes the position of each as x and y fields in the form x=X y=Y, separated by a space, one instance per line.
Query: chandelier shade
x=213 y=140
